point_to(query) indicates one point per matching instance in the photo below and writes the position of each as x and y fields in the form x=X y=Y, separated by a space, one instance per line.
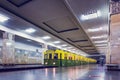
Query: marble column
x=44 y=47
x=108 y=55
x=8 y=50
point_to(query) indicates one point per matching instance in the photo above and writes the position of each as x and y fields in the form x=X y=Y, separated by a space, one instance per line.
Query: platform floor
x=86 y=72
x=19 y=66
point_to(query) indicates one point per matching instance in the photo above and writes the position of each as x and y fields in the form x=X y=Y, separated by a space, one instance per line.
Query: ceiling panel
x=19 y=3
x=62 y=24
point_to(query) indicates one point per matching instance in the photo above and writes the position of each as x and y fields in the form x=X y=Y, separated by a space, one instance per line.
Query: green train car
x=62 y=58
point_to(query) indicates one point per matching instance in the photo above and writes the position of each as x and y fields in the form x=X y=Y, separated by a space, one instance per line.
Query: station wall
x=25 y=54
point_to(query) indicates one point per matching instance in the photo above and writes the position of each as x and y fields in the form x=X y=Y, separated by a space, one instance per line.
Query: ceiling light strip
x=99 y=37
x=91 y=15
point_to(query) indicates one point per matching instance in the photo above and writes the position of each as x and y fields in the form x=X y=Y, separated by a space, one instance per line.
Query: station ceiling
x=61 y=19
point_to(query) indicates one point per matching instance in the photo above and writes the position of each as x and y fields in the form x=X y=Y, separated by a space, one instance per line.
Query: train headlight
x=53 y=62
x=46 y=62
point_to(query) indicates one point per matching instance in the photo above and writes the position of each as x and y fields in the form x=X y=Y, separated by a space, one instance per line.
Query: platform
x=85 y=72
x=22 y=67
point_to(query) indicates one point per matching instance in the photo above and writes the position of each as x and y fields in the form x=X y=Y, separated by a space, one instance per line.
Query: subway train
x=62 y=58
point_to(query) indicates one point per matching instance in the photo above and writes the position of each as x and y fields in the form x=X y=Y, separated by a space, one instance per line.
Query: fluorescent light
x=56 y=42
x=101 y=45
x=30 y=30
x=46 y=37
x=98 y=37
x=64 y=45
x=100 y=41
x=8 y=43
x=95 y=29
x=91 y=16
x=3 y=18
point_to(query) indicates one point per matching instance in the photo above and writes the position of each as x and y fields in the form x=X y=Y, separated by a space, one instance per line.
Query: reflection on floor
x=86 y=72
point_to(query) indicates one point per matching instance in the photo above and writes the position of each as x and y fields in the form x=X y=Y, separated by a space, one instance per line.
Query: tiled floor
x=87 y=72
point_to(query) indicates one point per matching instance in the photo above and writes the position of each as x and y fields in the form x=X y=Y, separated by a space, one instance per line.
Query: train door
x=65 y=58
x=60 y=59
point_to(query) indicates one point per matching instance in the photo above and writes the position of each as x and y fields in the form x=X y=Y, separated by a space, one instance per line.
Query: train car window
x=60 y=55
x=70 y=58
x=55 y=56
x=50 y=56
x=65 y=56
x=46 y=56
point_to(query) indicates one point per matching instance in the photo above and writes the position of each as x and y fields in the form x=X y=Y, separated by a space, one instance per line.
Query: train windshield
x=66 y=56
x=55 y=56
